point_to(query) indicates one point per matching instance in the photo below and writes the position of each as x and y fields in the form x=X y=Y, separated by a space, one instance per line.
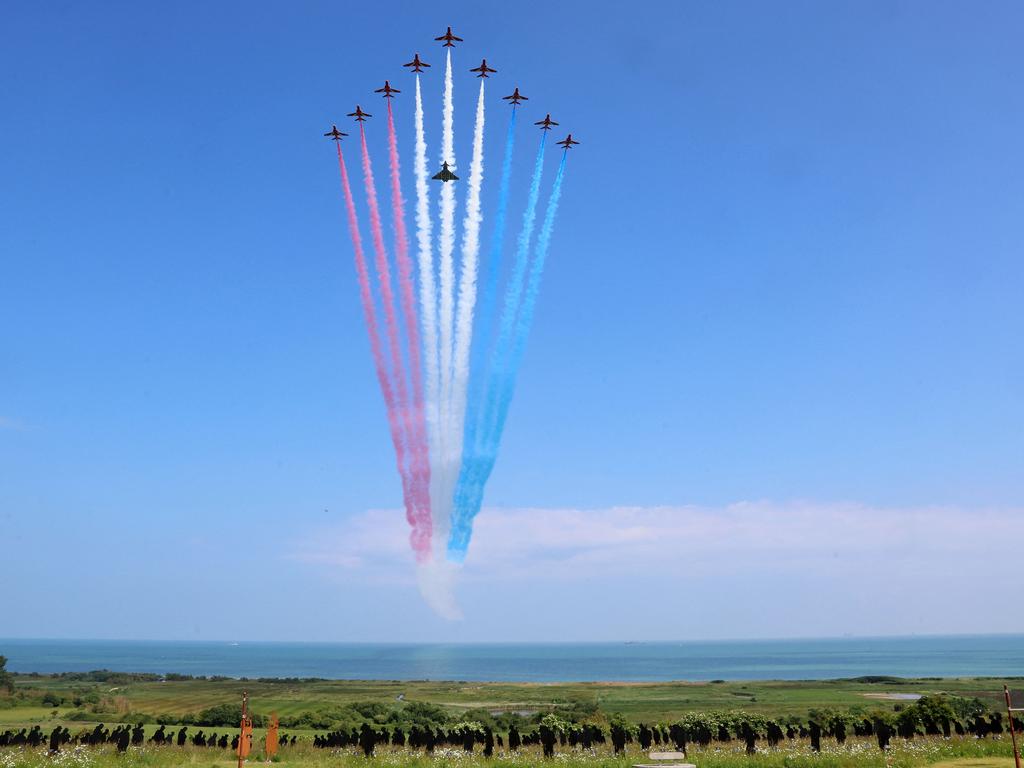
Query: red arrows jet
x=449 y=39
x=335 y=134
x=387 y=90
x=567 y=142
x=546 y=123
x=516 y=97
x=360 y=116
x=483 y=69
x=416 y=64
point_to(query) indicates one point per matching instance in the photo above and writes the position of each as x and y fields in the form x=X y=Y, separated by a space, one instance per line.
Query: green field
x=650 y=702
x=80 y=702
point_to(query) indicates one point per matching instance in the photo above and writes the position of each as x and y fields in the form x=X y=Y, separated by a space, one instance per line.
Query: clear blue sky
x=788 y=268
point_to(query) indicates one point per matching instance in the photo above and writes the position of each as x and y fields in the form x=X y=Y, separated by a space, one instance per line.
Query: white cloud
x=750 y=569
x=574 y=544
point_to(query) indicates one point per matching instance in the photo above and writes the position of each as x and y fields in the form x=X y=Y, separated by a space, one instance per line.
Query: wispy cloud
x=12 y=425
x=576 y=544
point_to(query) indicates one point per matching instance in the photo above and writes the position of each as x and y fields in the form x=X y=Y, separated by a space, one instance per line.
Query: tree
x=936 y=714
x=6 y=680
x=907 y=722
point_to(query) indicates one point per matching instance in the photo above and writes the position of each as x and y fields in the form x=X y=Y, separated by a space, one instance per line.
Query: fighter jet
x=516 y=97
x=359 y=115
x=416 y=64
x=444 y=174
x=483 y=69
x=387 y=90
x=449 y=39
x=335 y=134
x=567 y=142
x=546 y=123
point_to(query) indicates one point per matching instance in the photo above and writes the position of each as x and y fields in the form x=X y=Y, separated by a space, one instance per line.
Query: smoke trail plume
x=471 y=451
x=428 y=300
x=467 y=286
x=471 y=495
x=525 y=320
x=419 y=457
x=441 y=485
x=420 y=544
x=493 y=266
x=415 y=506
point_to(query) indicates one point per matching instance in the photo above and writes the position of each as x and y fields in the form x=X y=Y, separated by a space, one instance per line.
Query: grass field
x=650 y=702
x=940 y=753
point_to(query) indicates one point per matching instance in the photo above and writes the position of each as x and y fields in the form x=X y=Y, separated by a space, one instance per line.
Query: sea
x=931 y=656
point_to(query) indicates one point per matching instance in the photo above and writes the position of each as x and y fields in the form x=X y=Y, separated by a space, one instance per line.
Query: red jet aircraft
x=387 y=90
x=335 y=134
x=516 y=97
x=416 y=64
x=359 y=115
x=483 y=69
x=546 y=123
x=567 y=142
x=449 y=39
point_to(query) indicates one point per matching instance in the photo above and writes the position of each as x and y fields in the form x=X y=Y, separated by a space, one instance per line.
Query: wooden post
x=1013 y=733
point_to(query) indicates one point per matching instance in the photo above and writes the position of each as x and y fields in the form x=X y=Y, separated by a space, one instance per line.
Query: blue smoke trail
x=477 y=468
x=530 y=300
x=493 y=269
x=482 y=338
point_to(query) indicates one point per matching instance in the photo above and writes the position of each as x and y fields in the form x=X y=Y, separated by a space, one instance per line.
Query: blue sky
x=786 y=272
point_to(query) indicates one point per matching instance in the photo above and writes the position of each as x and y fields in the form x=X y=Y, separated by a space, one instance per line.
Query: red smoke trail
x=420 y=543
x=415 y=512
x=418 y=437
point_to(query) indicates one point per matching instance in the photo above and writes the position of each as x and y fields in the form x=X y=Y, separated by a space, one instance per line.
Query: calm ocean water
x=1001 y=655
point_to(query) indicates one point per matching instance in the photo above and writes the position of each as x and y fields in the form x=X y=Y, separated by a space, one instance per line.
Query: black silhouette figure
x=644 y=735
x=367 y=739
x=618 y=738
x=883 y=733
x=815 y=731
x=749 y=736
x=547 y=740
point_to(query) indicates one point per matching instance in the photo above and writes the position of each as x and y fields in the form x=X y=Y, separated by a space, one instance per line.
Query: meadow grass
x=957 y=752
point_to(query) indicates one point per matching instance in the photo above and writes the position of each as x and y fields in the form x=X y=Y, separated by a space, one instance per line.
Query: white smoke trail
x=446 y=246
x=428 y=297
x=467 y=290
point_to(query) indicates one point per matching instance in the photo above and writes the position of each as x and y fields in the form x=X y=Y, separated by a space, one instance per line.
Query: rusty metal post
x=1013 y=732
x=242 y=728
